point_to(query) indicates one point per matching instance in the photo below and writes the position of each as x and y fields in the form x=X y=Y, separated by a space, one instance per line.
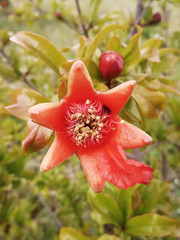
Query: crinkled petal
x=49 y=115
x=116 y=169
x=116 y=98
x=59 y=151
x=128 y=136
x=80 y=86
x=89 y=163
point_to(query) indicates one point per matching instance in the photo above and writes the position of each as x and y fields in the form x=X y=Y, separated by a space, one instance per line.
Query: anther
x=90 y=110
x=100 y=124
x=87 y=101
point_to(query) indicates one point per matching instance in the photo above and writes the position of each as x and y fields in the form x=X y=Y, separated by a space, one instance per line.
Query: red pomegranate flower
x=86 y=123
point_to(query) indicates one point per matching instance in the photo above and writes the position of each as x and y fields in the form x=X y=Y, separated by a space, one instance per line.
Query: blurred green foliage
x=35 y=205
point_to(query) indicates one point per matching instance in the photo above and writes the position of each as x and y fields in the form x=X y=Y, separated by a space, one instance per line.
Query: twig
x=74 y=27
x=139 y=14
x=80 y=13
x=24 y=76
x=6 y=57
x=137 y=155
x=49 y=210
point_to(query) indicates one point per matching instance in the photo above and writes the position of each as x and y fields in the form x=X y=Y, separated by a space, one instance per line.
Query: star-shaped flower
x=86 y=123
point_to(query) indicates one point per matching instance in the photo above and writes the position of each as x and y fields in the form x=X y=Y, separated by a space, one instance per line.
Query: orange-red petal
x=116 y=98
x=89 y=163
x=128 y=136
x=80 y=86
x=49 y=115
x=59 y=151
x=116 y=169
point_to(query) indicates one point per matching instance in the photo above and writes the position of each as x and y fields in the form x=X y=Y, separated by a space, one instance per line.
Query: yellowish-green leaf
x=71 y=234
x=153 y=225
x=131 y=112
x=105 y=206
x=150 y=102
x=176 y=232
x=131 y=53
x=150 y=197
x=125 y=202
x=115 y=44
x=166 y=64
x=41 y=48
x=108 y=237
x=21 y=100
x=164 y=51
x=99 y=37
x=154 y=42
x=82 y=44
x=150 y=53
x=62 y=90
x=101 y=87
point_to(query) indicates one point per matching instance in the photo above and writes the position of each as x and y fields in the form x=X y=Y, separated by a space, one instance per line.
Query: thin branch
x=6 y=57
x=80 y=13
x=139 y=14
x=49 y=210
x=149 y=149
x=74 y=27
x=24 y=76
x=137 y=155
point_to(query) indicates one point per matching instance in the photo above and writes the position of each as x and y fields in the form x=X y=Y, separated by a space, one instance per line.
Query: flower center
x=87 y=124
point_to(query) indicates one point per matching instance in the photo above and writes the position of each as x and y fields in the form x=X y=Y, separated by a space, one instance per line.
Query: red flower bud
x=157 y=17
x=59 y=15
x=4 y=3
x=110 y=65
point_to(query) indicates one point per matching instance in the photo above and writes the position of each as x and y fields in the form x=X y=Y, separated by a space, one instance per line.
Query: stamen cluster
x=88 y=123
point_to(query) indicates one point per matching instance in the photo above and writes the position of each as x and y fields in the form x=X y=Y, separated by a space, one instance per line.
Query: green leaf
x=101 y=87
x=131 y=53
x=108 y=237
x=90 y=65
x=41 y=48
x=62 y=90
x=150 y=53
x=131 y=112
x=165 y=51
x=105 y=206
x=21 y=100
x=168 y=88
x=153 y=225
x=98 y=38
x=154 y=42
x=166 y=64
x=115 y=44
x=71 y=234
x=150 y=197
x=150 y=102
x=176 y=232
x=36 y=137
x=82 y=44
x=95 y=6
x=7 y=209
x=125 y=202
